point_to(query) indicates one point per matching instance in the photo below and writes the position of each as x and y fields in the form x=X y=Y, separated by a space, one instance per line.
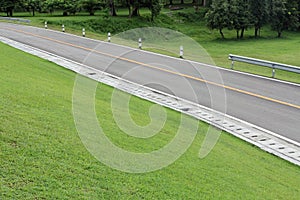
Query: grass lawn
x=42 y=156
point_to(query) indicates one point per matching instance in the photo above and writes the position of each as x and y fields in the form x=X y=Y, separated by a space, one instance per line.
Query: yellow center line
x=161 y=69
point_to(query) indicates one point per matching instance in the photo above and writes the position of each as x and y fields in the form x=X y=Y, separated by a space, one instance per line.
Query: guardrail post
x=232 y=63
x=108 y=37
x=273 y=71
x=83 y=32
x=140 y=43
x=181 y=51
x=46 y=26
x=63 y=28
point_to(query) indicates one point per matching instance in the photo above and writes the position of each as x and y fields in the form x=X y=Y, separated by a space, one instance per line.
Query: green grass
x=267 y=47
x=42 y=156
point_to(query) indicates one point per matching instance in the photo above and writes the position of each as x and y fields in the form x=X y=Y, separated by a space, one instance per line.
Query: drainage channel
x=264 y=139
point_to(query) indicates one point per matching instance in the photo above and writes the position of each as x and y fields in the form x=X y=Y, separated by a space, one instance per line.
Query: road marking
x=160 y=69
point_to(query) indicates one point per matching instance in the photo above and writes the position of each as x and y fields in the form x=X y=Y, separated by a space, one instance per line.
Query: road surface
x=270 y=104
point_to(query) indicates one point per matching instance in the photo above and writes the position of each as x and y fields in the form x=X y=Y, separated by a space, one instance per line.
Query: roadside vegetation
x=42 y=156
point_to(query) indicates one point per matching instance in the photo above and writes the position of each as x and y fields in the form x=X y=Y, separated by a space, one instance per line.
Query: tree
x=293 y=16
x=239 y=16
x=32 y=5
x=217 y=16
x=91 y=6
x=155 y=8
x=278 y=16
x=133 y=7
x=50 y=5
x=112 y=8
x=67 y=6
x=8 y=6
x=259 y=14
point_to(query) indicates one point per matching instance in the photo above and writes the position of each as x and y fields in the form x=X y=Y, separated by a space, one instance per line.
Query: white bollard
x=140 y=43
x=63 y=28
x=181 y=52
x=108 y=37
x=273 y=72
x=83 y=32
x=46 y=26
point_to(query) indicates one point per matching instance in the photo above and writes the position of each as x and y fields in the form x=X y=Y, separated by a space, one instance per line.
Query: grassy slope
x=43 y=157
x=283 y=50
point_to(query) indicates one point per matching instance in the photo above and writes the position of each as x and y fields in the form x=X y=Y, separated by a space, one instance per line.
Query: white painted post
x=83 y=32
x=273 y=72
x=232 y=63
x=181 y=52
x=46 y=26
x=108 y=37
x=140 y=43
x=63 y=28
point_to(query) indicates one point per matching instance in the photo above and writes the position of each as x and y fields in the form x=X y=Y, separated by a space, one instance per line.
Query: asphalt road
x=270 y=104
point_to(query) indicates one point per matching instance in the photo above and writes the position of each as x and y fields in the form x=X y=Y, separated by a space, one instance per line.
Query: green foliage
x=259 y=14
x=32 y=5
x=239 y=16
x=190 y=17
x=242 y=14
x=217 y=17
x=91 y=6
x=155 y=8
x=278 y=17
x=8 y=6
x=293 y=14
x=66 y=6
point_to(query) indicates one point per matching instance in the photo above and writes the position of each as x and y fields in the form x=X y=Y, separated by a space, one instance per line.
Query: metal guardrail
x=265 y=63
x=15 y=19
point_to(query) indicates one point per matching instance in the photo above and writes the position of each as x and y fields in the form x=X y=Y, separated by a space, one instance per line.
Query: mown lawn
x=42 y=156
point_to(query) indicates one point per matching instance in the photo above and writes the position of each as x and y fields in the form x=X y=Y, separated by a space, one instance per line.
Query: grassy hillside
x=42 y=156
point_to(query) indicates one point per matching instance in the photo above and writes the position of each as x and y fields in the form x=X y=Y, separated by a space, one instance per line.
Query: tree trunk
x=256 y=32
x=237 y=34
x=279 y=34
x=135 y=11
x=171 y=2
x=129 y=10
x=9 y=12
x=112 y=8
x=203 y=3
x=182 y=1
x=242 y=33
x=222 y=34
x=33 y=12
